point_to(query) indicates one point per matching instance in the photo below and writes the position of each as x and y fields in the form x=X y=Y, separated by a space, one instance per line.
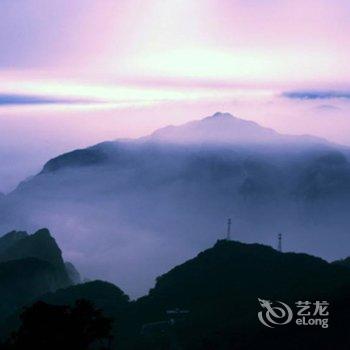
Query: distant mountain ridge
x=220 y=129
x=138 y=194
x=224 y=128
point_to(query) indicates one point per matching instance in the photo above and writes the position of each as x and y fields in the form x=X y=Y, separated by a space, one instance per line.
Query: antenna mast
x=228 y=237
x=280 y=242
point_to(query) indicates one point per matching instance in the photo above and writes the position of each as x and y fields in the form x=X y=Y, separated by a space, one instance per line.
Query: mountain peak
x=226 y=129
x=222 y=115
x=39 y=245
x=219 y=128
x=43 y=232
x=11 y=238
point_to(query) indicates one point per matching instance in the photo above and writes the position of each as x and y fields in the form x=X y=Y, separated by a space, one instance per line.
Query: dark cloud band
x=316 y=95
x=15 y=100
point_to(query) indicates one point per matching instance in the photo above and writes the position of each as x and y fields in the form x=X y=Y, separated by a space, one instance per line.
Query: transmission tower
x=280 y=242
x=228 y=236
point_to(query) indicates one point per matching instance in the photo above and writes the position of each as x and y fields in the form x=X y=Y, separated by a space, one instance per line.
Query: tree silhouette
x=55 y=327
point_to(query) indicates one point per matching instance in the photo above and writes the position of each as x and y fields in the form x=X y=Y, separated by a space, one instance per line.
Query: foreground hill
x=214 y=302
x=154 y=202
x=10 y=239
x=220 y=289
x=24 y=279
x=246 y=271
x=40 y=245
x=104 y=296
x=30 y=265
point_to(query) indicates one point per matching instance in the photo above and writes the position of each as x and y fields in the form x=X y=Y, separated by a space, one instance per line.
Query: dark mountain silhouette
x=39 y=245
x=104 y=295
x=10 y=239
x=219 y=290
x=218 y=293
x=24 y=279
x=44 y=326
x=221 y=286
x=30 y=265
x=342 y=262
x=163 y=201
x=245 y=271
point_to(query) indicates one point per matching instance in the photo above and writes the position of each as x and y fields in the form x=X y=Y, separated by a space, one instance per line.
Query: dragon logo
x=272 y=314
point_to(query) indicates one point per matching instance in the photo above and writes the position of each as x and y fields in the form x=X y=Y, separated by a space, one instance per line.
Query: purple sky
x=73 y=73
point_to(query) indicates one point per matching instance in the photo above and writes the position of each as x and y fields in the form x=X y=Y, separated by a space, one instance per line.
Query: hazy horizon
x=29 y=141
x=74 y=74
x=77 y=73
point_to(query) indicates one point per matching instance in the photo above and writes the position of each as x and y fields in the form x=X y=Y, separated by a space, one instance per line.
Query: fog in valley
x=128 y=211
